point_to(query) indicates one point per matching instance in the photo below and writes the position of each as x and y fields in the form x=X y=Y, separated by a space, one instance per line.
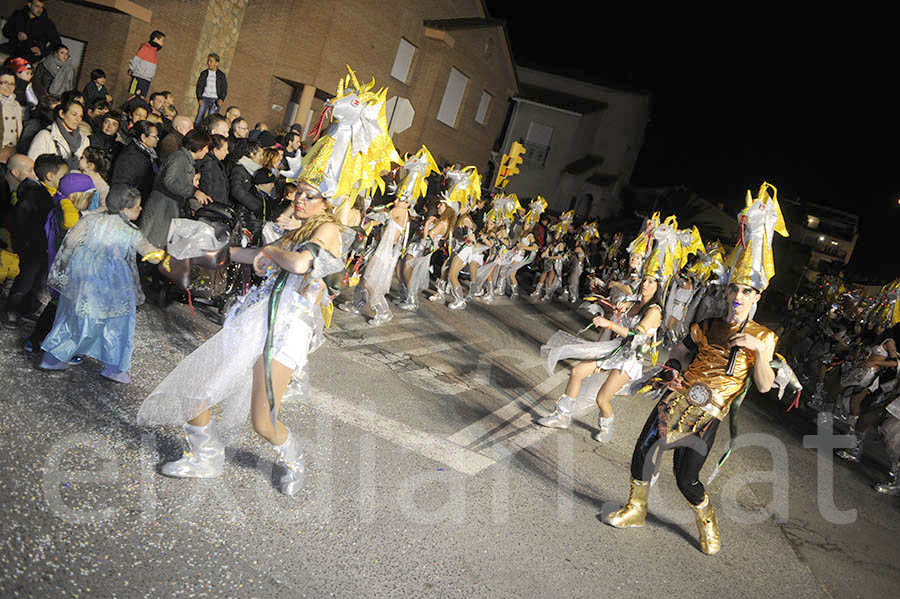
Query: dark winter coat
x=173 y=185
x=41 y=32
x=213 y=181
x=28 y=217
x=134 y=167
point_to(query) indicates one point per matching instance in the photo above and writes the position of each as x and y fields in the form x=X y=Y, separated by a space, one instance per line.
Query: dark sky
x=807 y=105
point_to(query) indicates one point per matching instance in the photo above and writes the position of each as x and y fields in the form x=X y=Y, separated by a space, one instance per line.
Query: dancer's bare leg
x=259 y=406
x=615 y=381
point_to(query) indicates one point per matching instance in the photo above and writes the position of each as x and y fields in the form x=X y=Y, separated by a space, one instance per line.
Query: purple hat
x=73 y=183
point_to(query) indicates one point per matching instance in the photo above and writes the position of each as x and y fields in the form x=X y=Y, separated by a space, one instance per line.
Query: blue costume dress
x=95 y=274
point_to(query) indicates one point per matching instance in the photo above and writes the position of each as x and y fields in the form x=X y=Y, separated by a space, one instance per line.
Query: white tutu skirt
x=221 y=370
x=563 y=346
x=419 y=278
x=472 y=253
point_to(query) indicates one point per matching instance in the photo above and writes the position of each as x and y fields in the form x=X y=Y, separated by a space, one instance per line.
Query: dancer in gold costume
x=728 y=352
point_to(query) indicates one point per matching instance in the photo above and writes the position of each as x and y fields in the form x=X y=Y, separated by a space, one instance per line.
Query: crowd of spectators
x=178 y=162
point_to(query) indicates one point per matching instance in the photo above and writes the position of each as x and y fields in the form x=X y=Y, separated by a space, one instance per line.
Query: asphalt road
x=425 y=477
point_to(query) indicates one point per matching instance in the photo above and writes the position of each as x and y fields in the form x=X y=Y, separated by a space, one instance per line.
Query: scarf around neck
x=73 y=140
x=151 y=152
x=250 y=165
x=63 y=74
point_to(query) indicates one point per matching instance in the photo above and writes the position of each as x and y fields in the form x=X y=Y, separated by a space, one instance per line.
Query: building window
x=403 y=61
x=537 y=144
x=481 y=113
x=453 y=96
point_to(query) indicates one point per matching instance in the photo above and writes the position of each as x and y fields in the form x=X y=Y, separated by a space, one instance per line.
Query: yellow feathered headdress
x=644 y=241
x=349 y=158
x=565 y=222
x=752 y=262
x=663 y=249
x=504 y=208
x=415 y=184
x=535 y=209
x=463 y=189
x=588 y=233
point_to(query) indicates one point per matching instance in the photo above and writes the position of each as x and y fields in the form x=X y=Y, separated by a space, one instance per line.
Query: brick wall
x=310 y=42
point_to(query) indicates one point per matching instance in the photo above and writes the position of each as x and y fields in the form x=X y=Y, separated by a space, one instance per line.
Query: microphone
x=732 y=357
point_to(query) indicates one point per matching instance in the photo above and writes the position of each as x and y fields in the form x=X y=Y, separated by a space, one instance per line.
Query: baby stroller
x=217 y=287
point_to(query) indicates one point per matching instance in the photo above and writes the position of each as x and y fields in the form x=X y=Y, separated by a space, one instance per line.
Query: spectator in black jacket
x=211 y=167
x=105 y=135
x=138 y=164
x=29 y=216
x=175 y=184
x=96 y=88
x=241 y=189
x=31 y=33
x=212 y=87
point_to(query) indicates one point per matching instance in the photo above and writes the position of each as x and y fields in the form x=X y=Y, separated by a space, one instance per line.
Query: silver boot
x=892 y=485
x=290 y=456
x=204 y=456
x=439 y=296
x=488 y=296
x=604 y=435
x=513 y=290
x=562 y=415
x=500 y=289
x=537 y=290
x=459 y=300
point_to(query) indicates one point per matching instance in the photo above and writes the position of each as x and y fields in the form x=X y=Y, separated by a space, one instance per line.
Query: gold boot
x=710 y=543
x=634 y=513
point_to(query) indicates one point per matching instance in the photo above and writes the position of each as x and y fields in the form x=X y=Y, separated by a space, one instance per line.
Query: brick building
x=283 y=58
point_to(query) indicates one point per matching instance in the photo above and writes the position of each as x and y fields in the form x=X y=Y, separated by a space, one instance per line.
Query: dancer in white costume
x=268 y=335
x=229 y=369
x=620 y=358
x=414 y=268
x=369 y=295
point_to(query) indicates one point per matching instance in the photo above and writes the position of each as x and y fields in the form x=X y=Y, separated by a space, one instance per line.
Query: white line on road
x=425 y=444
x=511 y=426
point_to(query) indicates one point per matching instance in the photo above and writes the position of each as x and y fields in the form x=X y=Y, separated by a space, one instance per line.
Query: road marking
x=510 y=428
x=425 y=444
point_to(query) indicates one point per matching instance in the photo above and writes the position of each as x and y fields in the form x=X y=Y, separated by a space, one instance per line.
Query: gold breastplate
x=709 y=367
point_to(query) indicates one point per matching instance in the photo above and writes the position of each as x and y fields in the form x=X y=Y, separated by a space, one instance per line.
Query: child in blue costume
x=95 y=274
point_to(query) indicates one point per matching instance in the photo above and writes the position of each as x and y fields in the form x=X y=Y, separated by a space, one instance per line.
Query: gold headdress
x=463 y=189
x=643 y=243
x=349 y=159
x=588 y=233
x=565 y=222
x=663 y=246
x=689 y=242
x=504 y=208
x=535 y=209
x=710 y=262
x=752 y=263
x=415 y=184
x=614 y=246
x=887 y=314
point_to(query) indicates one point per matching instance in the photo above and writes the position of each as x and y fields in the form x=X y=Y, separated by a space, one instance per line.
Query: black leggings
x=690 y=455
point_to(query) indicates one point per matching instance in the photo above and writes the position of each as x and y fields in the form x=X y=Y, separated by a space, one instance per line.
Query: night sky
x=808 y=106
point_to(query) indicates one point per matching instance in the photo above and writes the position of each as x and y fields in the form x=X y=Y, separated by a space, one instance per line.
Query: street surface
x=425 y=477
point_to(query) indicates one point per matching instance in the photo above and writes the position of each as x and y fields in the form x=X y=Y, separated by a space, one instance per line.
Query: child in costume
x=96 y=276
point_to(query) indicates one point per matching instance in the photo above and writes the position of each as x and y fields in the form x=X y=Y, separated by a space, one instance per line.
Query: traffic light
x=501 y=181
x=516 y=151
x=509 y=165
